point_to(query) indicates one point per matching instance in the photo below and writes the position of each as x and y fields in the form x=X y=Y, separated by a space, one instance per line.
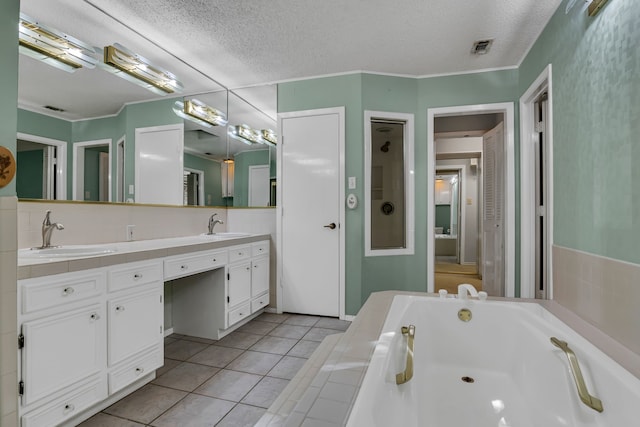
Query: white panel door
x=159 y=165
x=493 y=212
x=311 y=200
x=259 y=185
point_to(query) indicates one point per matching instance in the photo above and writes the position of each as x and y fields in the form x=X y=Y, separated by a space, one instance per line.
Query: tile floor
x=227 y=383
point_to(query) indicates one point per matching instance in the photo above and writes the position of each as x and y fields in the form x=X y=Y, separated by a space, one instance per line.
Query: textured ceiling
x=250 y=42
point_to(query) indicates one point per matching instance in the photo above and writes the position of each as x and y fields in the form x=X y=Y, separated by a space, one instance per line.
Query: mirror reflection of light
x=498 y=406
x=504 y=423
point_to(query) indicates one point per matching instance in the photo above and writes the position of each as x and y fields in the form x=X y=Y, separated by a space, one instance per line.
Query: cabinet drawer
x=239 y=313
x=260 y=248
x=259 y=302
x=187 y=265
x=131 y=371
x=41 y=293
x=131 y=275
x=238 y=253
x=67 y=406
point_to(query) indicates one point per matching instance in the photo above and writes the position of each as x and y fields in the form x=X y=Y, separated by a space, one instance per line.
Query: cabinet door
x=61 y=350
x=135 y=323
x=239 y=284
x=260 y=276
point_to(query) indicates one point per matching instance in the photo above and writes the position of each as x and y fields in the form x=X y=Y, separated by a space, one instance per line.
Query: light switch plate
x=352 y=183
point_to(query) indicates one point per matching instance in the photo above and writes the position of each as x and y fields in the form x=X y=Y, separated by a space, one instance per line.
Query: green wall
x=596 y=126
x=212 y=178
x=360 y=92
x=30 y=174
x=596 y=105
x=443 y=217
x=9 y=12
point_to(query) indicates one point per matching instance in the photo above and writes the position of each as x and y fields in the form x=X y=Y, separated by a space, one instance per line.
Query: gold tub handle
x=589 y=400
x=403 y=377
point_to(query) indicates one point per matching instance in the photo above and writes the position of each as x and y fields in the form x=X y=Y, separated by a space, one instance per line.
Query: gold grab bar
x=589 y=400
x=403 y=377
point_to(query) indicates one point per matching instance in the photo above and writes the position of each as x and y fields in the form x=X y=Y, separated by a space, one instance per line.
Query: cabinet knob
x=69 y=407
x=94 y=316
x=248 y=268
x=239 y=253
x=120 y=308
x=68 y=291
x=137 y=276
x=184 y=267
x=139 y=371
x=214 y=260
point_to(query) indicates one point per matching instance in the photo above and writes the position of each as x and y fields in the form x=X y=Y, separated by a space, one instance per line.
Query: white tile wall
x=8 y=314
x=605 y=292
x=88 y=223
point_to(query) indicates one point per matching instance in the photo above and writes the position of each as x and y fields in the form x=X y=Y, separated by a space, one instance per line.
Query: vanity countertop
x=124 y=252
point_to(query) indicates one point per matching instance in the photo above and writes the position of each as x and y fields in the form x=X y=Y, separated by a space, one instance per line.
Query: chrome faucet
x=213 y=222
x=47 y=229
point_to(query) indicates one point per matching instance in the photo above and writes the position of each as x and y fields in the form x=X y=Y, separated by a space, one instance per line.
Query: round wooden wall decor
x=7 y=166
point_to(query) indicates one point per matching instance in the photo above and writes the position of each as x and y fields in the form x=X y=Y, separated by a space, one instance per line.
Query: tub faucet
x=47 y=229
x=465 y=288
x=213 y=222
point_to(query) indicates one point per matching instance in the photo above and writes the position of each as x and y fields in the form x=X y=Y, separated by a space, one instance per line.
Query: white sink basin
x=65 y=252
x=225 y=235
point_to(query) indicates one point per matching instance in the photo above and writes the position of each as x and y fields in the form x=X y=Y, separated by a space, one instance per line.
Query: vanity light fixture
x=133 y=67
x=244 y=133
x=199 y=112
x=268 y=136
x=54 y=47
x=595 y=6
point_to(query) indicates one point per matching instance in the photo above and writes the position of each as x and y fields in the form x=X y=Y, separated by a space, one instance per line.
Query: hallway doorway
x=456 y=135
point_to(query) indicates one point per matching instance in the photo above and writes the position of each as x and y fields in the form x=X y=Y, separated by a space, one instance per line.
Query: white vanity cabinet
x=86 y=335
x=239 y=283
x=247 y=281
x=62 y=346
x=259 y=275
x=135 y=333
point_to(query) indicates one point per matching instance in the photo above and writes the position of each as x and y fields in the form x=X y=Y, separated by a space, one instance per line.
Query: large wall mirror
x=82 y=135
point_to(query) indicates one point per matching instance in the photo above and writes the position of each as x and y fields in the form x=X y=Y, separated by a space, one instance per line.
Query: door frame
x=200 y=174
x=462 y=195
x=507 y=109
x=78 y=166
x=61 y=160
x=527 y=186
x=340 y=111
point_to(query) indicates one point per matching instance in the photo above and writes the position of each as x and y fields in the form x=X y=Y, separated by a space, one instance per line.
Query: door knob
x=331 y=226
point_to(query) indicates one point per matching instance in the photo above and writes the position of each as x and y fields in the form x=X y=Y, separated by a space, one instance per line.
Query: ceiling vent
x=52 y=108
x=481 y=47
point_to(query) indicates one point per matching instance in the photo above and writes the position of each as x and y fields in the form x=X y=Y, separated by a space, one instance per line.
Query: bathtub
x=497 y=370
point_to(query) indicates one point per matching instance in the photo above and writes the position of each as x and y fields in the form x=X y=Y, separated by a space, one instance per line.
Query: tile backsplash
x=89 y=223
x=603 y=291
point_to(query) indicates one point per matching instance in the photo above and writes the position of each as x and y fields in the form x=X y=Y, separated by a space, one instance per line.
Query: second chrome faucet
x=213 y=222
